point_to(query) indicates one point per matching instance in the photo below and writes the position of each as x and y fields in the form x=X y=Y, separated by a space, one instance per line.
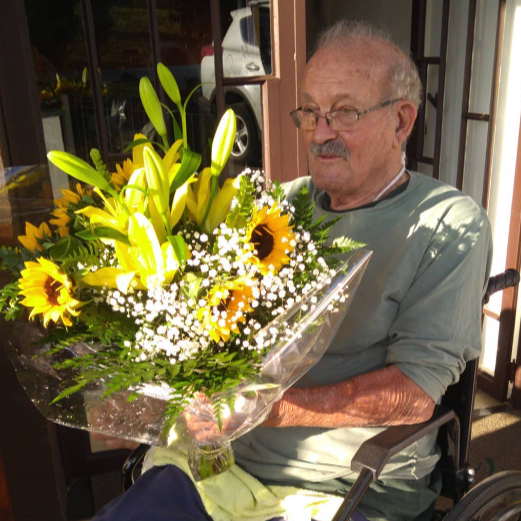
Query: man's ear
x=405 y=118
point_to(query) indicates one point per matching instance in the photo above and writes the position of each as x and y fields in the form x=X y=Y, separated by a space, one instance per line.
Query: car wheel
x=246 y=140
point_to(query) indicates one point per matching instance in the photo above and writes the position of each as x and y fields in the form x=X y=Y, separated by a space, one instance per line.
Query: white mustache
x=334 y=147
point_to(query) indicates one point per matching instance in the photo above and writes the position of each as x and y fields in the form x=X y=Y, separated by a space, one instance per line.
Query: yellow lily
x=180 y=201
x=199 y=196
x=171 y=158
x=112 y=216
x=135 y=199
x=137 y=151
x=113 y=278
x=143 y=265
x=221 y=204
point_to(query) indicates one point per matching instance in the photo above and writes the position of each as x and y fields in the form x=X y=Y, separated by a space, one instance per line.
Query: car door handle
x=252 y=67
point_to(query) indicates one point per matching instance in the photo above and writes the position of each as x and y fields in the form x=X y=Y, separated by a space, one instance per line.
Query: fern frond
x=240 y=214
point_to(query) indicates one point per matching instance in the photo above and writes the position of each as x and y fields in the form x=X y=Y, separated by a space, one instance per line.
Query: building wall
x=396 y=20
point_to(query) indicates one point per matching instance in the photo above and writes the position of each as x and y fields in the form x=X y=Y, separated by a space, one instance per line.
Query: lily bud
x=157 y=179
x=169 y=84
x=152 y=106
x=223 y=142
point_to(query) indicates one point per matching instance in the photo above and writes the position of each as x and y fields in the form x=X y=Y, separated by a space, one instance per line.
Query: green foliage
x=304 y=208
x=13 y=259
x=83 y=253
x=99 y=164
x=277 y=191
x=10 y=298
x=240 y=215
x=111 y=331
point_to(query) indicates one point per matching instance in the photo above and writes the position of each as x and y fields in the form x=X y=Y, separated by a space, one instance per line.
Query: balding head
x=375 y=49
x=356 y=71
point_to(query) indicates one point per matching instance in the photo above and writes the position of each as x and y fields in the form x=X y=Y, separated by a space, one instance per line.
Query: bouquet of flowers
x=160 y=294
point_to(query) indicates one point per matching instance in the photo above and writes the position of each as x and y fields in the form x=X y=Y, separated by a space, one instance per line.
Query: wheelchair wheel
x=497 y=498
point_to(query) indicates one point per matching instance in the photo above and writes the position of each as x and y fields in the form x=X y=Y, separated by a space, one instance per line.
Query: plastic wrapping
x=297 y=339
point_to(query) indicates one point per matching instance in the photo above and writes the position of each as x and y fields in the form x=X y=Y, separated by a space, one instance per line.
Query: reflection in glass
x=483 y=56
x=185 y=29
x=246 y=48
x=246 y=38
x=124 y=56
x=431 y=102
x=60 y=61
x=245 y=100
x=433 y=22
x=475 y=152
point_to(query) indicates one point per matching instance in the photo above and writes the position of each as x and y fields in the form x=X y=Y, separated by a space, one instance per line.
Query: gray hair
x=404 y=81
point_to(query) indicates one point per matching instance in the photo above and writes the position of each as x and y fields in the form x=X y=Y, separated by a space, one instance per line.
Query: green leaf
x=346 y=244
x=77 y=168
x=63 y=248
x=152 y=106
x=70 y=390
x=12 y=259
x=169 y=84
x=180 y=249
x=189 y=164
x=103 y=232
x=178 y=133
x=192 y=285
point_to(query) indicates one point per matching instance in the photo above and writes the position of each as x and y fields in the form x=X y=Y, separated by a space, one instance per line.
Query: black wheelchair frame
x=498 y=496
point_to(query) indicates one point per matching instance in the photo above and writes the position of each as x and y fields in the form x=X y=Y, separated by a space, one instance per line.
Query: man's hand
x=113 y=443
x=202 y=425
x=381 y=398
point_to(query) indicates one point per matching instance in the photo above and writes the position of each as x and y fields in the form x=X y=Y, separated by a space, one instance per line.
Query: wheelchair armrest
x=374 y=453
x=134 y=461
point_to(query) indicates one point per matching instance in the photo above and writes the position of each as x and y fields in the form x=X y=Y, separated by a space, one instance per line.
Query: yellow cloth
x=236 y=495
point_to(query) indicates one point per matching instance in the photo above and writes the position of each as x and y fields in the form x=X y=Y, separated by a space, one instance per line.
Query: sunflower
x=70 y=200
x=270 y=237
x=33 y=236
x=122 y=175
x=48 y=291
x=225 y=308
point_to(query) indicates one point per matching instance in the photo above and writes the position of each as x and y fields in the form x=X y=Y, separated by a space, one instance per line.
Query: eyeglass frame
x=327 y=115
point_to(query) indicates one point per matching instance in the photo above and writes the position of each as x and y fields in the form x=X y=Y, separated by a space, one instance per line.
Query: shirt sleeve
x=438 y=326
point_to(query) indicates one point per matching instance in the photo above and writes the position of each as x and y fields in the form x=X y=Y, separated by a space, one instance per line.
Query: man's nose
x=323 y=132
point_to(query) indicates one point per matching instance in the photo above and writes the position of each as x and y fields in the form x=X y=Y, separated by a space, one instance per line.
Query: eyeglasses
x=340 y=119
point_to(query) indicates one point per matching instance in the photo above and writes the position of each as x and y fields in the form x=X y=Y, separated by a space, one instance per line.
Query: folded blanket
x=236 y=495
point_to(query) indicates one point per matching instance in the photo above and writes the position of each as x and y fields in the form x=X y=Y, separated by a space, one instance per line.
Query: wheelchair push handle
x=507 y=279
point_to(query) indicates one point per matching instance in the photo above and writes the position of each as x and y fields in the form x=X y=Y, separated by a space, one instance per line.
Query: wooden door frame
x=516 y=224
x=21 y=127
x=284 y=150
x=497 y=384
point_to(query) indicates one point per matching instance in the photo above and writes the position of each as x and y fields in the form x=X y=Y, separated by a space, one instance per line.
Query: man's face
x=345 y=163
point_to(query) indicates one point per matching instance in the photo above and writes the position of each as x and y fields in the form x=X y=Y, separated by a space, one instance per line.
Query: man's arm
x=380 y=398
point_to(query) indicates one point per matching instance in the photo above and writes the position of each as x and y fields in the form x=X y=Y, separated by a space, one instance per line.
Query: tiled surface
x=482 y=401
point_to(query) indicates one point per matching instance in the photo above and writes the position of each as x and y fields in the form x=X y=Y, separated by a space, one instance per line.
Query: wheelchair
x=497 y=498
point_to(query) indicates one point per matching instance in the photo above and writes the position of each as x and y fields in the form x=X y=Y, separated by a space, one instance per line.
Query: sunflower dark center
x=262 y=238
x=52 y=289
x=223 y=304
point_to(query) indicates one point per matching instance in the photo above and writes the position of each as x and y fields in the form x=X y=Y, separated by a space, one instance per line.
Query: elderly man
x=416 y=317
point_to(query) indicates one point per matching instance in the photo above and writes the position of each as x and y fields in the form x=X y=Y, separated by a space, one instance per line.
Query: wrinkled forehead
x=358 y=73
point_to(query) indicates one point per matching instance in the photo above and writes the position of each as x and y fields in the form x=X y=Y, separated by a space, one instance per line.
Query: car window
x=248 y=31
